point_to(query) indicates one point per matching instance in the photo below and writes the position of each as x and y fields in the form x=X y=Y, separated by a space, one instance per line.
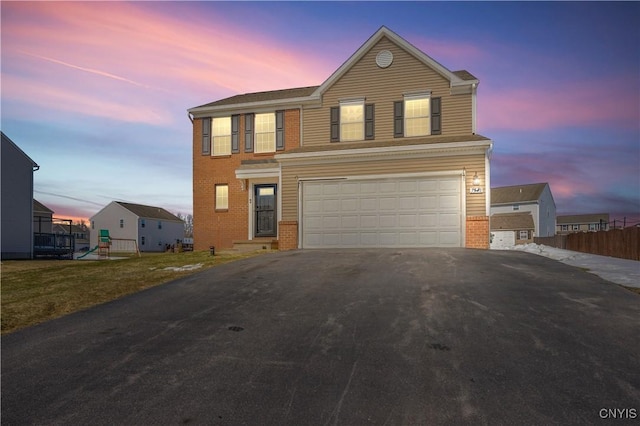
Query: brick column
x=477 y=232
x=288 y=238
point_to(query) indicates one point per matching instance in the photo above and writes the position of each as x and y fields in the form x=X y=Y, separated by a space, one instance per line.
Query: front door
x=265 y=213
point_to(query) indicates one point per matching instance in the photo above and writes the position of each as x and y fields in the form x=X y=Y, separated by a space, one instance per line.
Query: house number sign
x=475 y=190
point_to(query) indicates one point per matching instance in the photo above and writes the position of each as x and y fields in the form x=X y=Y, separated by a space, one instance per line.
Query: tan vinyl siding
x=475 y=203
x=384 y=86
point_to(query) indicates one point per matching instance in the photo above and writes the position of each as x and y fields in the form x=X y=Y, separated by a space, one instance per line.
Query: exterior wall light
x=476 y=179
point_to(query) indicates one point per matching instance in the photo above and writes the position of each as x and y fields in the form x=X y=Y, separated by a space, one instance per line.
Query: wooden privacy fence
x=622 y=243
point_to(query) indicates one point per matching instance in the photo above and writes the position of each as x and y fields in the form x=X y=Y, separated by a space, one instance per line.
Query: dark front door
x=265 y=202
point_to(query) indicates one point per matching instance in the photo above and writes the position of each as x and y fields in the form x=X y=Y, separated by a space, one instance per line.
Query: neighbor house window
x=222 y=197
x=594 y=227
x=142 y=240
x=221 y=134
x=516 y=207
x=575 y=227
x=142 y=224
x=159 y=225
x=121 y=223
x=564 y=227
x=93 y=224
x=416 y=115
x=523 y=235
x=265 y=125
x=352 y=121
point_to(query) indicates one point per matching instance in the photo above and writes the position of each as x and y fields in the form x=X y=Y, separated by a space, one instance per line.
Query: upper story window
x=516 y=207
x=221 y=135
x=564 y=227
x=142 y=223
x=121 y=223
x=419 y=114
x=159 y=225
x=416 y=116
x=265 y=125
x=352 y=121
x=575 y=227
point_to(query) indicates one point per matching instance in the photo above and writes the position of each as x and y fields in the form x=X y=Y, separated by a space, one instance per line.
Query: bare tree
x=188 y=224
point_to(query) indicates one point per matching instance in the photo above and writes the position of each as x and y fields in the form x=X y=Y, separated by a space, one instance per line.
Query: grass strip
x=34 y=291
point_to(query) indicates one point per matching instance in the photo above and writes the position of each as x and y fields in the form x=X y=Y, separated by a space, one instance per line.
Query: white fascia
x=258 y=173
x=426 y=149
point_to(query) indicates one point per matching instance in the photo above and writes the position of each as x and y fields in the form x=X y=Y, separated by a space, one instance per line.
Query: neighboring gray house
x=17 y=201
x=535 y=198
x=153 y=228
x=42 y=218
x=583 y=223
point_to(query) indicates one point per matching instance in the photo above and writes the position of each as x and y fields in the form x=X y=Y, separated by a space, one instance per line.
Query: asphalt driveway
x=349 y=337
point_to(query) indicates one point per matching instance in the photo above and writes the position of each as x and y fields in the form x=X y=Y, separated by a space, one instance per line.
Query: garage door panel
x=399 y=212
x=449 y=202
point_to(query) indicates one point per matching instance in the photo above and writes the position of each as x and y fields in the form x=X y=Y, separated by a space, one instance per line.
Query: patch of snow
x=183 y=268
x=619 y=271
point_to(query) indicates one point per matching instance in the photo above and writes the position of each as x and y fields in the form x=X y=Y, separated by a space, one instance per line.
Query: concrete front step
x=256 y=244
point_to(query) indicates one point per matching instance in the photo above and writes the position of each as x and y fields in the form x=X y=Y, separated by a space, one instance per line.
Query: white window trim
x=417 y=96
x=215 y=153
x=351 y=102
x=256 y=133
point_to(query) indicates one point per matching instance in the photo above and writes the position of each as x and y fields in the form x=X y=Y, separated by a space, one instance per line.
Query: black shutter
x=335 y=124
x=369 y=128
x=235 y=133
x=436 y=116
x=279 y=130
x=398 y=119
x=248 y=132
x=206 y=136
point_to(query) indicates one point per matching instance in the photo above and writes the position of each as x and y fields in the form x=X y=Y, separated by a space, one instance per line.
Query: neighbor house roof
x=272 y=95
x=511 y=221
x=582 y=218
x=7 y=140
x=41 y=208
x=517 y=193
x=149 y=212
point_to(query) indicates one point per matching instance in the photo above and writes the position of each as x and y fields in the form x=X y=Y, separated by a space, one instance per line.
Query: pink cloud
x=581 y=103
x=138 y=56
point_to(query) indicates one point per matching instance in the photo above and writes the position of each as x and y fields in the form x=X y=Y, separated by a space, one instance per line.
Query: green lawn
x=33 y=291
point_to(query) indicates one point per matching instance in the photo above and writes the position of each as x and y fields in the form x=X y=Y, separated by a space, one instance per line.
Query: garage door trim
x=389 y=176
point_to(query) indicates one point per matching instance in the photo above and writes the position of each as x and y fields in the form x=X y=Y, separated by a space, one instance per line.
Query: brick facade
x=220 y=228
x=288 y=235
x=477 y=232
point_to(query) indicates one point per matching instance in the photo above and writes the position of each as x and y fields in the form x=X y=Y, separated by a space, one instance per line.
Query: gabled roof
x=511 y=221
x=7 y=140
x=464 y=78
x=41 y=208
x=582 y=218
x=517 y=194
x=149 y=212
x=312 y=94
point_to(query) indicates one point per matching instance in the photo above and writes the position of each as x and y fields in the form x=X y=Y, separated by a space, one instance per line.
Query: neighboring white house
x=535 y=198
x=17 y=201
x=509 y=229
x=153 y=228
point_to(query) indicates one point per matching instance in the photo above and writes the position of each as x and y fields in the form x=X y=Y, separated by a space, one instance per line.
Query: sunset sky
x=97 y=93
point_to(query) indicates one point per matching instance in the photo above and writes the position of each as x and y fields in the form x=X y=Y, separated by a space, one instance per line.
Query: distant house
x=80 y=233
x=533 y=198
x=42 y=218
x=17 y=201
x=509 y=229
x=582 y=223
x=153 y=228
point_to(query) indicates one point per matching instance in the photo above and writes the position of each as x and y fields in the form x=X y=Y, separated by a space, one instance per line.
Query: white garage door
x=503 y=239
x=399 y=212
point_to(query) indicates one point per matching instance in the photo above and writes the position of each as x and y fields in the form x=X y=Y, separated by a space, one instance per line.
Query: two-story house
x=16 y=206
x=533 y=199
x=150 y=228
x=384 y=153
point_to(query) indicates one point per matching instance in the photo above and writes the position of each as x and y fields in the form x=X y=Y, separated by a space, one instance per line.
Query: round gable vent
x=384 y=58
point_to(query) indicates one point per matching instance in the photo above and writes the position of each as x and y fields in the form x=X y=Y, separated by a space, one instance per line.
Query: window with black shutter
x=248 y=132
x=279 y=130
x=335 y=124
x=235 y=134
x=369 y=116
x=206 y=136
